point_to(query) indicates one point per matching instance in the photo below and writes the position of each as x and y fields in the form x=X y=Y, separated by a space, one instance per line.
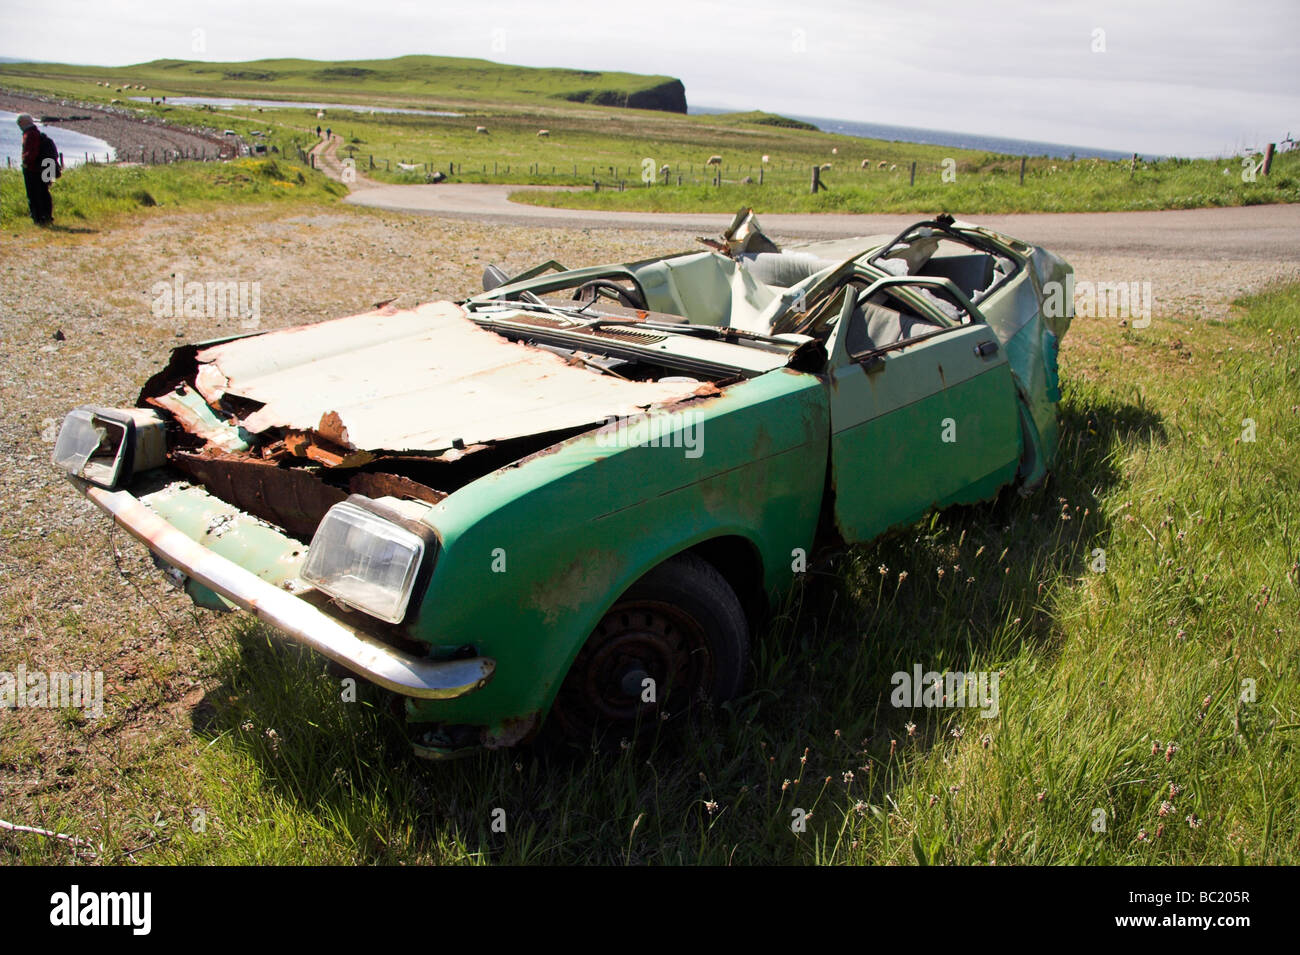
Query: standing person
x=37 y=174
x=318 y=131
x=329 y=134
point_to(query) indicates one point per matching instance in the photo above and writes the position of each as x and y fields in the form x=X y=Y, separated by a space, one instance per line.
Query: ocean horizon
x=999 y=145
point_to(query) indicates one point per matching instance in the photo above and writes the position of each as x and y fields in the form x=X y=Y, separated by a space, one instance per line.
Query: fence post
x=595 y=185
x=1268 y=157
x=816 y=179
x=913 y=182
x=1022 y=170
x=760 y=175
x=1133 y=164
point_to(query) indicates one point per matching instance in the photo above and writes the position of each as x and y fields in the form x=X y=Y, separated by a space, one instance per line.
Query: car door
x=926 y=420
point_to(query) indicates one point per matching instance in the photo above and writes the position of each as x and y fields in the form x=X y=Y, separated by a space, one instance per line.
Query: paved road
x=1259 y=233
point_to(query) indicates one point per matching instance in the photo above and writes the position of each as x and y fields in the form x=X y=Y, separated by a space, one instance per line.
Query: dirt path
x=329 y=163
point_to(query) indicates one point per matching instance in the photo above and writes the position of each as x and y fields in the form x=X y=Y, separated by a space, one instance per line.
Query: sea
x=74 y=146
x=999 y=145
x=229 y=102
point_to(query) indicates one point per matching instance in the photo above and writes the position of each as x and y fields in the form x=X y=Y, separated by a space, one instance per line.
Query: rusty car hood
x=425 y=379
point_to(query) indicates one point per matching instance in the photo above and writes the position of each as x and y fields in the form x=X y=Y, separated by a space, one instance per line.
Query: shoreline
x=126 y=131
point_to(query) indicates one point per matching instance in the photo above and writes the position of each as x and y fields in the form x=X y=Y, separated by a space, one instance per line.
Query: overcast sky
x=1192 y=77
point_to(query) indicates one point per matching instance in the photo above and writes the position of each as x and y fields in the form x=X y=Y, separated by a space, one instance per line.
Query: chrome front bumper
x=365 y=655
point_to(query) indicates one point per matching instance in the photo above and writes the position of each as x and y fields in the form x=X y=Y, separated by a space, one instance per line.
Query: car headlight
x=106 y=445
x=367 y=556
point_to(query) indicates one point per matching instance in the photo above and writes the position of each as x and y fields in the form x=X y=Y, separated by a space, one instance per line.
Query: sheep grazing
x=664 y=170
x=481 y=129
x=765 y=158
x=543 y=133
x=892 y=167
x=835 y=150
x=714 y=161
x=866 y=164
x=826 y=167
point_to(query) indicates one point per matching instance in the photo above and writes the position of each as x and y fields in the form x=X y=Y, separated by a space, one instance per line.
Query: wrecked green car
x=571 y=498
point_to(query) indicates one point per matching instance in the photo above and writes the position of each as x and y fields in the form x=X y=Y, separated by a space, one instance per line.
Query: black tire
x=682 y=626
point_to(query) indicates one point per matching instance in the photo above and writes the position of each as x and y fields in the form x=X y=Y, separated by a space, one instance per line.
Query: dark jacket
x=31 y=148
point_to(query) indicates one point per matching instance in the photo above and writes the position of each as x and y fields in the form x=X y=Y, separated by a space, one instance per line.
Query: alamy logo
x=74 y=907
x=1127 y=300
x=181 y=299
x=52 y=691
x=677 y=429
x=929 y=688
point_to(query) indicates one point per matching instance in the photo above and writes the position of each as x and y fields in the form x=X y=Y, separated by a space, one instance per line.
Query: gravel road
x=1196 y=260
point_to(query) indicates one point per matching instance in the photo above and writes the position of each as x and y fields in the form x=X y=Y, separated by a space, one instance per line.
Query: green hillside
x=449 y=80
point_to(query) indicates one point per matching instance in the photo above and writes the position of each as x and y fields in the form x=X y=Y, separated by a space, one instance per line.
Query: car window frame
x=841 y=356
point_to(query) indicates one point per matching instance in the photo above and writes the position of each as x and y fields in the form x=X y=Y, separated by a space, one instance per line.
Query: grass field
x=1159 y=686
x=989 y=184
x=95 y=194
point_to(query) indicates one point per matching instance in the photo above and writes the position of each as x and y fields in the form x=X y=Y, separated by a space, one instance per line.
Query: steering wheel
x=631 y=298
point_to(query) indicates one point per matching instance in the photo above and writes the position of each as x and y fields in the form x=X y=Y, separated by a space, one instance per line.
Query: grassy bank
x=94 y=194
x=1121 y=688
x=990 y=184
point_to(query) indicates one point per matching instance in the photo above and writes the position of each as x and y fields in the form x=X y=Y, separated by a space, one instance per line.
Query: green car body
x=798 y=428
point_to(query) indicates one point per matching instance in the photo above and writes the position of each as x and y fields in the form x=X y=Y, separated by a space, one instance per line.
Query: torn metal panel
x=292 y=498
x=197 y=417
x=379 y=484
x=422 y=379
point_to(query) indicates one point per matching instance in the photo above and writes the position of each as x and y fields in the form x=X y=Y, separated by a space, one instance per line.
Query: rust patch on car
x=380 y=484
x=292 y=498
x=306 y=444
x=512 y=732
x=582 y=583
x=331 y=428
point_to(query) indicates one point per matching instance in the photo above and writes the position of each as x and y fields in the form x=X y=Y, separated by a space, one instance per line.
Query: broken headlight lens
x=365 y=560
x=104 y=445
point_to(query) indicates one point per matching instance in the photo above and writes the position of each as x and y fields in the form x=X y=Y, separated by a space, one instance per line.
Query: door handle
x=986 y=348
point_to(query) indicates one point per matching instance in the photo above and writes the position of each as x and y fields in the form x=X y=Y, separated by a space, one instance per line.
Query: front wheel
x=677 y=639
